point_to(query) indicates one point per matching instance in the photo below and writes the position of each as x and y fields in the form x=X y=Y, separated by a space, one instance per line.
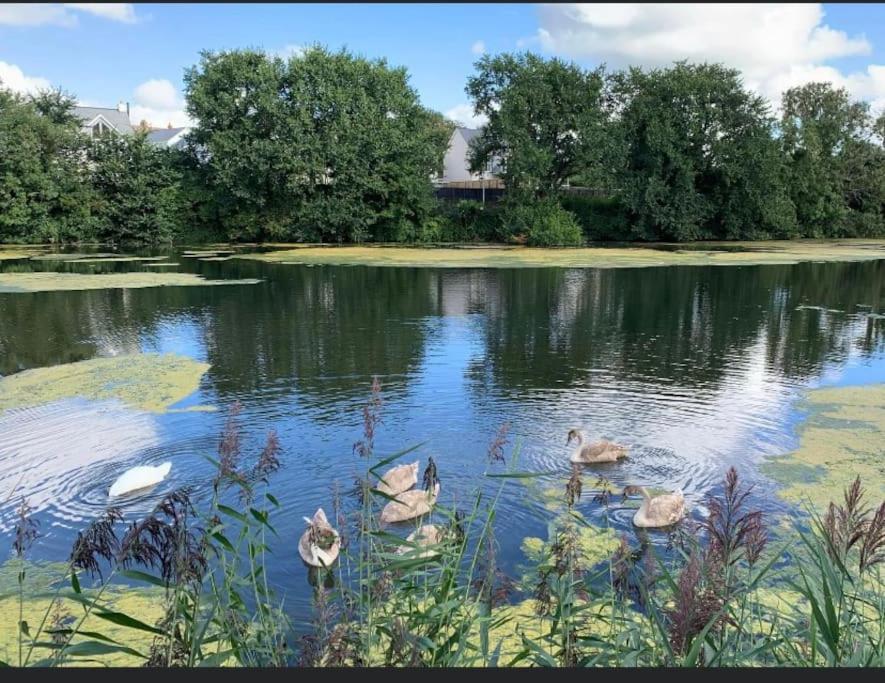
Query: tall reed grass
x=726 y=594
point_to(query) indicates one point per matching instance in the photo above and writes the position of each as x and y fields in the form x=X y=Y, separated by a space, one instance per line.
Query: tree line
x=332 y=147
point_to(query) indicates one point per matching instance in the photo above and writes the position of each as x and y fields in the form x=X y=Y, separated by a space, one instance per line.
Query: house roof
x=163 y=135
x=468 y=133
x=118 y=119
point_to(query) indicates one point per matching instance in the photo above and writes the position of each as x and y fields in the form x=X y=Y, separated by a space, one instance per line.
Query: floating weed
x=22 y=283
x=840 y=440
x=148 y=381
x=783 y=252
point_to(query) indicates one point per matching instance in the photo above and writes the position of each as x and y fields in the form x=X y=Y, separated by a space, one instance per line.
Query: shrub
x=468 y=221
x=542 y=224
x=601 y=218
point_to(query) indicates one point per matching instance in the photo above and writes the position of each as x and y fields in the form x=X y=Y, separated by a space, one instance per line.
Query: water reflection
x=696 y=368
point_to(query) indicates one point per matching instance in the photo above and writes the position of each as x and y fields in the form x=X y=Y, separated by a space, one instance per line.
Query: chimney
x=127 y=110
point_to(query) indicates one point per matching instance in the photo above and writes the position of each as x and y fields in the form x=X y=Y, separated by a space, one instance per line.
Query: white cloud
x=159 y=118
x=463 y=115
x=478 y=48
x=115 y=11
x=290 y=51
x=160 y=104
x=22 y=14
x=774 y=46
x=14 y=79
x=158 y=93
x=63 y=14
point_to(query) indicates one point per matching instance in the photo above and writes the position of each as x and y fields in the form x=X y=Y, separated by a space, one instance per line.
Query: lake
x=695 y=368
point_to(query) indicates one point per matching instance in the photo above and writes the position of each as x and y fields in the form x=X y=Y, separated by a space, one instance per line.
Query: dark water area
x=695 y=368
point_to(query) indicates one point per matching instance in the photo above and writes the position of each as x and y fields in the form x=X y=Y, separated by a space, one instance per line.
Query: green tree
x=697 y=156
x=325 y=146
x=44 y=193
x=546 y=121
x=836 y=168
x=137 y=190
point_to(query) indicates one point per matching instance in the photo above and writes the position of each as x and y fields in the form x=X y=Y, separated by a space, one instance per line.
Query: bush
x=601 y=218
x=542 y=224
x=468 y=221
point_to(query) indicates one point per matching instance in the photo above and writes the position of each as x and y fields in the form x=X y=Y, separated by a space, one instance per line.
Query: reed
x=712 y=600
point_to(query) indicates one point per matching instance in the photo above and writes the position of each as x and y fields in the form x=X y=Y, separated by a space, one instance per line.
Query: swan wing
x=139 y=477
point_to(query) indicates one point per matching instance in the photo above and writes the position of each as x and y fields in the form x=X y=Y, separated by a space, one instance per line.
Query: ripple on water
x=63 y=457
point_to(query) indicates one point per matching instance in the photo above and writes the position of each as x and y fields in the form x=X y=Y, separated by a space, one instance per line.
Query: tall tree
x=546 y=121
x=836 y=168
x=698 y=159
x=44 y=193
x=137 y=190
x=325 y=146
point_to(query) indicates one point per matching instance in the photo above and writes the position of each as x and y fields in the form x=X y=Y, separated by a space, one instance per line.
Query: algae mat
x=149 y=381
x=41 y=579
x=20 y=283
x=711 y=254
x=7 y=253
x=842 y=438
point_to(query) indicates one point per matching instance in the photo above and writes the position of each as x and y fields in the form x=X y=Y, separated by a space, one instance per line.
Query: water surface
x=694 y=367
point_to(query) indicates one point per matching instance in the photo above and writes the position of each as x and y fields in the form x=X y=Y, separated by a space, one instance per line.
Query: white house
x=98 y=121
x=456 y=167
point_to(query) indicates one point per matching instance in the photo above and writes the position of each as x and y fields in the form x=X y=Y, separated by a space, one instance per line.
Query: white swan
x=140 y=477
x=310 y=550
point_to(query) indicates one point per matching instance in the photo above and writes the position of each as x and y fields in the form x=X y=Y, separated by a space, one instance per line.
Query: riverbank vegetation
x=331 y=147
x=731 y=591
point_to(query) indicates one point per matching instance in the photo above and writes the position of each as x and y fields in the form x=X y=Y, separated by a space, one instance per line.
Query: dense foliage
x=332 y=147
x=44 y=189
x=322 y=147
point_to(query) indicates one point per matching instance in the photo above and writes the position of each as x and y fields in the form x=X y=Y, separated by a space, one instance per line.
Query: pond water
x=694 y=367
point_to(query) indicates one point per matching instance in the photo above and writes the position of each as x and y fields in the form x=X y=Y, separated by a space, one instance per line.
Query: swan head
x=574 y=435
x=635 y=491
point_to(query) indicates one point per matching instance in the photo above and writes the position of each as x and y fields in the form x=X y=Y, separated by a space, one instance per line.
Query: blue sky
x=138 y=53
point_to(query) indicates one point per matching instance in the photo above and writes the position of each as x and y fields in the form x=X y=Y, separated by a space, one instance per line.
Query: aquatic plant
x=721 y=597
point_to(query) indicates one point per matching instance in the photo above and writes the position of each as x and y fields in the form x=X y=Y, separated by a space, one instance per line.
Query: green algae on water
x=148 y=381
x=842 y=438
x=143 y=603
x=502 y=256
x=21 y=283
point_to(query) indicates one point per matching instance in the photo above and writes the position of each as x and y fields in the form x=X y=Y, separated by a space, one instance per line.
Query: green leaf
x=75 y=581
x=233 y=513
x=91 y=648
x=142 y=576
x=221 y=538
x=381 y=463
x=130 y=622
